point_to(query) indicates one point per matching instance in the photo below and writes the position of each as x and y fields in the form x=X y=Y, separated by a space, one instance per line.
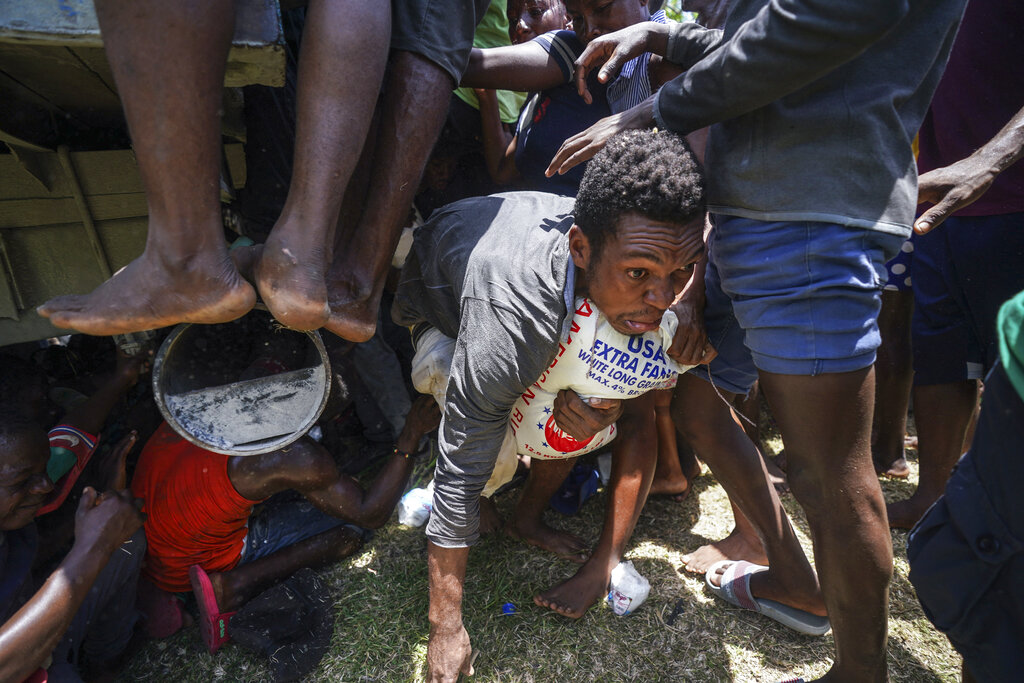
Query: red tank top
x=193 y=513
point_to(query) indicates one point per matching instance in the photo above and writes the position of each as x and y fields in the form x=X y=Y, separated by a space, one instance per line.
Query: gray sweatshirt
x=493 y=273
x=815 y=105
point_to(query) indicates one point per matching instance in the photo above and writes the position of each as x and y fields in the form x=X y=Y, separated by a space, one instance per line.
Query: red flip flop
x=213 y=624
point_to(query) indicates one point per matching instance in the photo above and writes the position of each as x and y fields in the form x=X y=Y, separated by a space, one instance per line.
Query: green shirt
x=493 y=32
x=1010 y=328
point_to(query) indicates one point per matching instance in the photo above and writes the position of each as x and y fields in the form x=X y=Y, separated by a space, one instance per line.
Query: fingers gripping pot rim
x=596 y=361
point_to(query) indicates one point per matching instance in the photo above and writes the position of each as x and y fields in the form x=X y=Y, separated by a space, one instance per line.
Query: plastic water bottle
x=414 y=508
x=627 y=589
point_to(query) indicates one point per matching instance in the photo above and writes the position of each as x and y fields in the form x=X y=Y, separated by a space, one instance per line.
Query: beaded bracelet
x=396 y=451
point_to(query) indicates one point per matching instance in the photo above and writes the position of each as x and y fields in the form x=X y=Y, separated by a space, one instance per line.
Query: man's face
x=593 y=18
x=536 y=17
x=23 y=481
x=640 y=270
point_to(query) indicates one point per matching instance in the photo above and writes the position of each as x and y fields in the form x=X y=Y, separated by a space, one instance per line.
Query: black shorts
x=440 y=30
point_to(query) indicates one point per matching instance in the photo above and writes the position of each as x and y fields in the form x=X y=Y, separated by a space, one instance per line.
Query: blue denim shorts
x=792 y=298
x=282 y=521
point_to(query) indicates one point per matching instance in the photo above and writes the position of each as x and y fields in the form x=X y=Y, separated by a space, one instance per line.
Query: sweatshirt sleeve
x=497 y=356
x=786 y=45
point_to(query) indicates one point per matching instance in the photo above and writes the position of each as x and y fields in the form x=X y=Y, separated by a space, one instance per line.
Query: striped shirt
x=633 y=85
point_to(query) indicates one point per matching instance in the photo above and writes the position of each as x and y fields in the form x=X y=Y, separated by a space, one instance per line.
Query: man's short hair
x=654 y=174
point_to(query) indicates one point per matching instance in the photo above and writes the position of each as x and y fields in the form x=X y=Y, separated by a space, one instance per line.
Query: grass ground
x=380 y=596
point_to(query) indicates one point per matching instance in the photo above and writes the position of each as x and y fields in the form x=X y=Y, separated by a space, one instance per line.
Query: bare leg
x=894 y=374
x=415 y=104
x=687 y=457
x=344 y=52
x=943 y=413
x=168 y=61
x=749 y=407
x=236 y=587
x=527 y=521
x=826 y=423
x=632 y=472
x=490 y=519
x=669 y=479
x=763 y=531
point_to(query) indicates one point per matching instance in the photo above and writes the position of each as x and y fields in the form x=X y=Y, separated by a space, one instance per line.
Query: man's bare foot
x=563 y=544
x=897 y=469
x=676 y=489
x=804 y=595
x=735 y=546
x=353 y=304
x=490 y=520
x=150 y=293
x=290 y=278
x=903 y=514
x=574 y=597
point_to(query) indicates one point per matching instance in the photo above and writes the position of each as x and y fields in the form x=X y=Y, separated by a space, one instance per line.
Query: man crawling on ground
x=500 y=275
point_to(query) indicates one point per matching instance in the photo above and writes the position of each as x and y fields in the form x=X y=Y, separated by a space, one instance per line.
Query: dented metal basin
x=241 y=388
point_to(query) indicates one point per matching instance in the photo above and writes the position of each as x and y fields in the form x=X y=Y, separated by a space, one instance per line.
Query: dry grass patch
x=381 y=601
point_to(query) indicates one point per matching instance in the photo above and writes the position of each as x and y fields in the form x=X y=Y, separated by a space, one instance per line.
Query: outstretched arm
x=785 y=46
x=102 y=524
x=308 y=468
x=499 y=147
x=953 y=187
x=525 y=67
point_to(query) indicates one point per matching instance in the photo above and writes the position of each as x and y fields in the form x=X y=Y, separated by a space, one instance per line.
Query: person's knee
x=809 y=487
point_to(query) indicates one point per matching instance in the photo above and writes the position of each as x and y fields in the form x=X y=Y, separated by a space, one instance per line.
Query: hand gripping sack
x=596 y=361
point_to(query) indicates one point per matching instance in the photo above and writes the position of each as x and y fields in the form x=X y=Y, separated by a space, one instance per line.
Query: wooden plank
x=95 y=59
x=105 y=172
x=27 y=213
x=8 y=299
x=60 y=78
x=30 y=327
x=48 y=252
x=51 y=260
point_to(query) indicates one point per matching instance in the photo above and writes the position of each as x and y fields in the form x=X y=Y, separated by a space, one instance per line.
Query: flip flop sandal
x=213 y=624
x=735 y=590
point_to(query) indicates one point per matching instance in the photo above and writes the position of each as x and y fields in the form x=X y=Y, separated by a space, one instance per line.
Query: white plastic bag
x=627 y=590
x=414 y=508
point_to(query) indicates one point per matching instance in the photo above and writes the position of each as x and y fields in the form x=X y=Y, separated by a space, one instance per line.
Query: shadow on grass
x=380 y=599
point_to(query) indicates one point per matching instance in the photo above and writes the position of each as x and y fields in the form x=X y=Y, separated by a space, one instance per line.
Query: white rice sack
x=595 y=361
